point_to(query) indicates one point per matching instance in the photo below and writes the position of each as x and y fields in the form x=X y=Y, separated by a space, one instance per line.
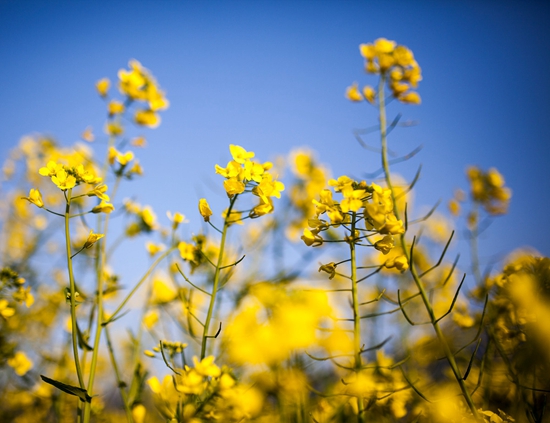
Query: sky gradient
x=271 y=76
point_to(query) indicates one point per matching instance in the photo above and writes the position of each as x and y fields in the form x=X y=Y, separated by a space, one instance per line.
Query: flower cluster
x=396 y=64
x=204 y=391
x=487 y=189
x=67 y=177
x=137 y=84
x=242 y=173
x=373 y=202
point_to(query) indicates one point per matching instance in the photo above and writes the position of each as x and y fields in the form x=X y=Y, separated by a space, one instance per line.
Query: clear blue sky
x=271 y=76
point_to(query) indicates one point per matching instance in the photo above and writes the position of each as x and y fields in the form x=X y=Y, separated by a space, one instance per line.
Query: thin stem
x=100 y=265
x=356 y=317
x=226 y=225
x=73 y=290
x=120 y=383
x=448 y=353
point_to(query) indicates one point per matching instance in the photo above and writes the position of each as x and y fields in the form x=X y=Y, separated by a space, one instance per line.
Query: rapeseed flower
x=20 y=363
x=35 y=197
x=204 y=209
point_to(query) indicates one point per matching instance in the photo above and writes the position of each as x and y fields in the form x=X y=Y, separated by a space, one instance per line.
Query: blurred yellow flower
x=353 y=93
x=20 y=363
x=162 y=293
x=103 y=207
x=147 y=118
x=102 y=86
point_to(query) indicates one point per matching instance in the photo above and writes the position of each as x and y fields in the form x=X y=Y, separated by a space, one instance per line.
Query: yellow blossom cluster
x=396 y=65
x=146 y=218
x=67 y=177
x=241 y=174
x=487 y=189
x=372 y=202
x=204 y=391
x=137 y=84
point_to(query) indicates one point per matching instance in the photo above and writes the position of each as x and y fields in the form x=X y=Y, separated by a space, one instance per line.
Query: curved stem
x=425 y=299
x=356 y=317
x=226 y=225
x=74 y=329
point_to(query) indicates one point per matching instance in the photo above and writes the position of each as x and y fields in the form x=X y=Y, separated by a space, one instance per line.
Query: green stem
x=100 y=264
x=120 y=383
x=226 y=224
x=356 y=316
x=474 y=252
x=419 y=284
x=73 y=291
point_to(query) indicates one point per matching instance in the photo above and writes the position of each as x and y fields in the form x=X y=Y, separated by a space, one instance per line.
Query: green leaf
x=82 y=340
x=69 y=389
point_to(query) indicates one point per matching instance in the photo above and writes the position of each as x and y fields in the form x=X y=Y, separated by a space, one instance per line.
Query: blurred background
x=271 y=77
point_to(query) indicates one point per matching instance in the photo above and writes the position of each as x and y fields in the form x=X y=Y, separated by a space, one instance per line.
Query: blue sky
x=271 y=76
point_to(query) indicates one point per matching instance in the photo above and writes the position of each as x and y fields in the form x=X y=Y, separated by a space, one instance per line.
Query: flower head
x=35 y=197
x=204 y=209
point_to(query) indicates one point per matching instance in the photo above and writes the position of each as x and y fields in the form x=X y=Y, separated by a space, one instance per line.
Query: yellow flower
x=268 y=188
x=125 y=158
x=353 y=94
x=381 y=45
x=385 y=244
x=162 y=293
x=92 y=239
x=330 y=268
x=35 y=197
x=87 y=135
x=265 y=207
x=204 y=210
x=63 y=180
x=352 y=199
x=399 y=262
x=367 y=51
x=138 y=413
x=103 y=207
x=403 y=56
x=99 y=192
x=149 y=218
x=240 y=155
x=392 y=226
x=147 y=118
x=153 y=248
x=233 y=187
x=311 y=237
x=114 y=129
x=115 y=107
x=50 y=169
x=187 y=251
x=138 y=142
x=6 y=311
x=150 y=319
x=411 y=97
x=102 y=86
x=235 y=217
x=24 y=295
x=454 y=207
x=206 y=367
x=20 y=363
x=369 y=94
